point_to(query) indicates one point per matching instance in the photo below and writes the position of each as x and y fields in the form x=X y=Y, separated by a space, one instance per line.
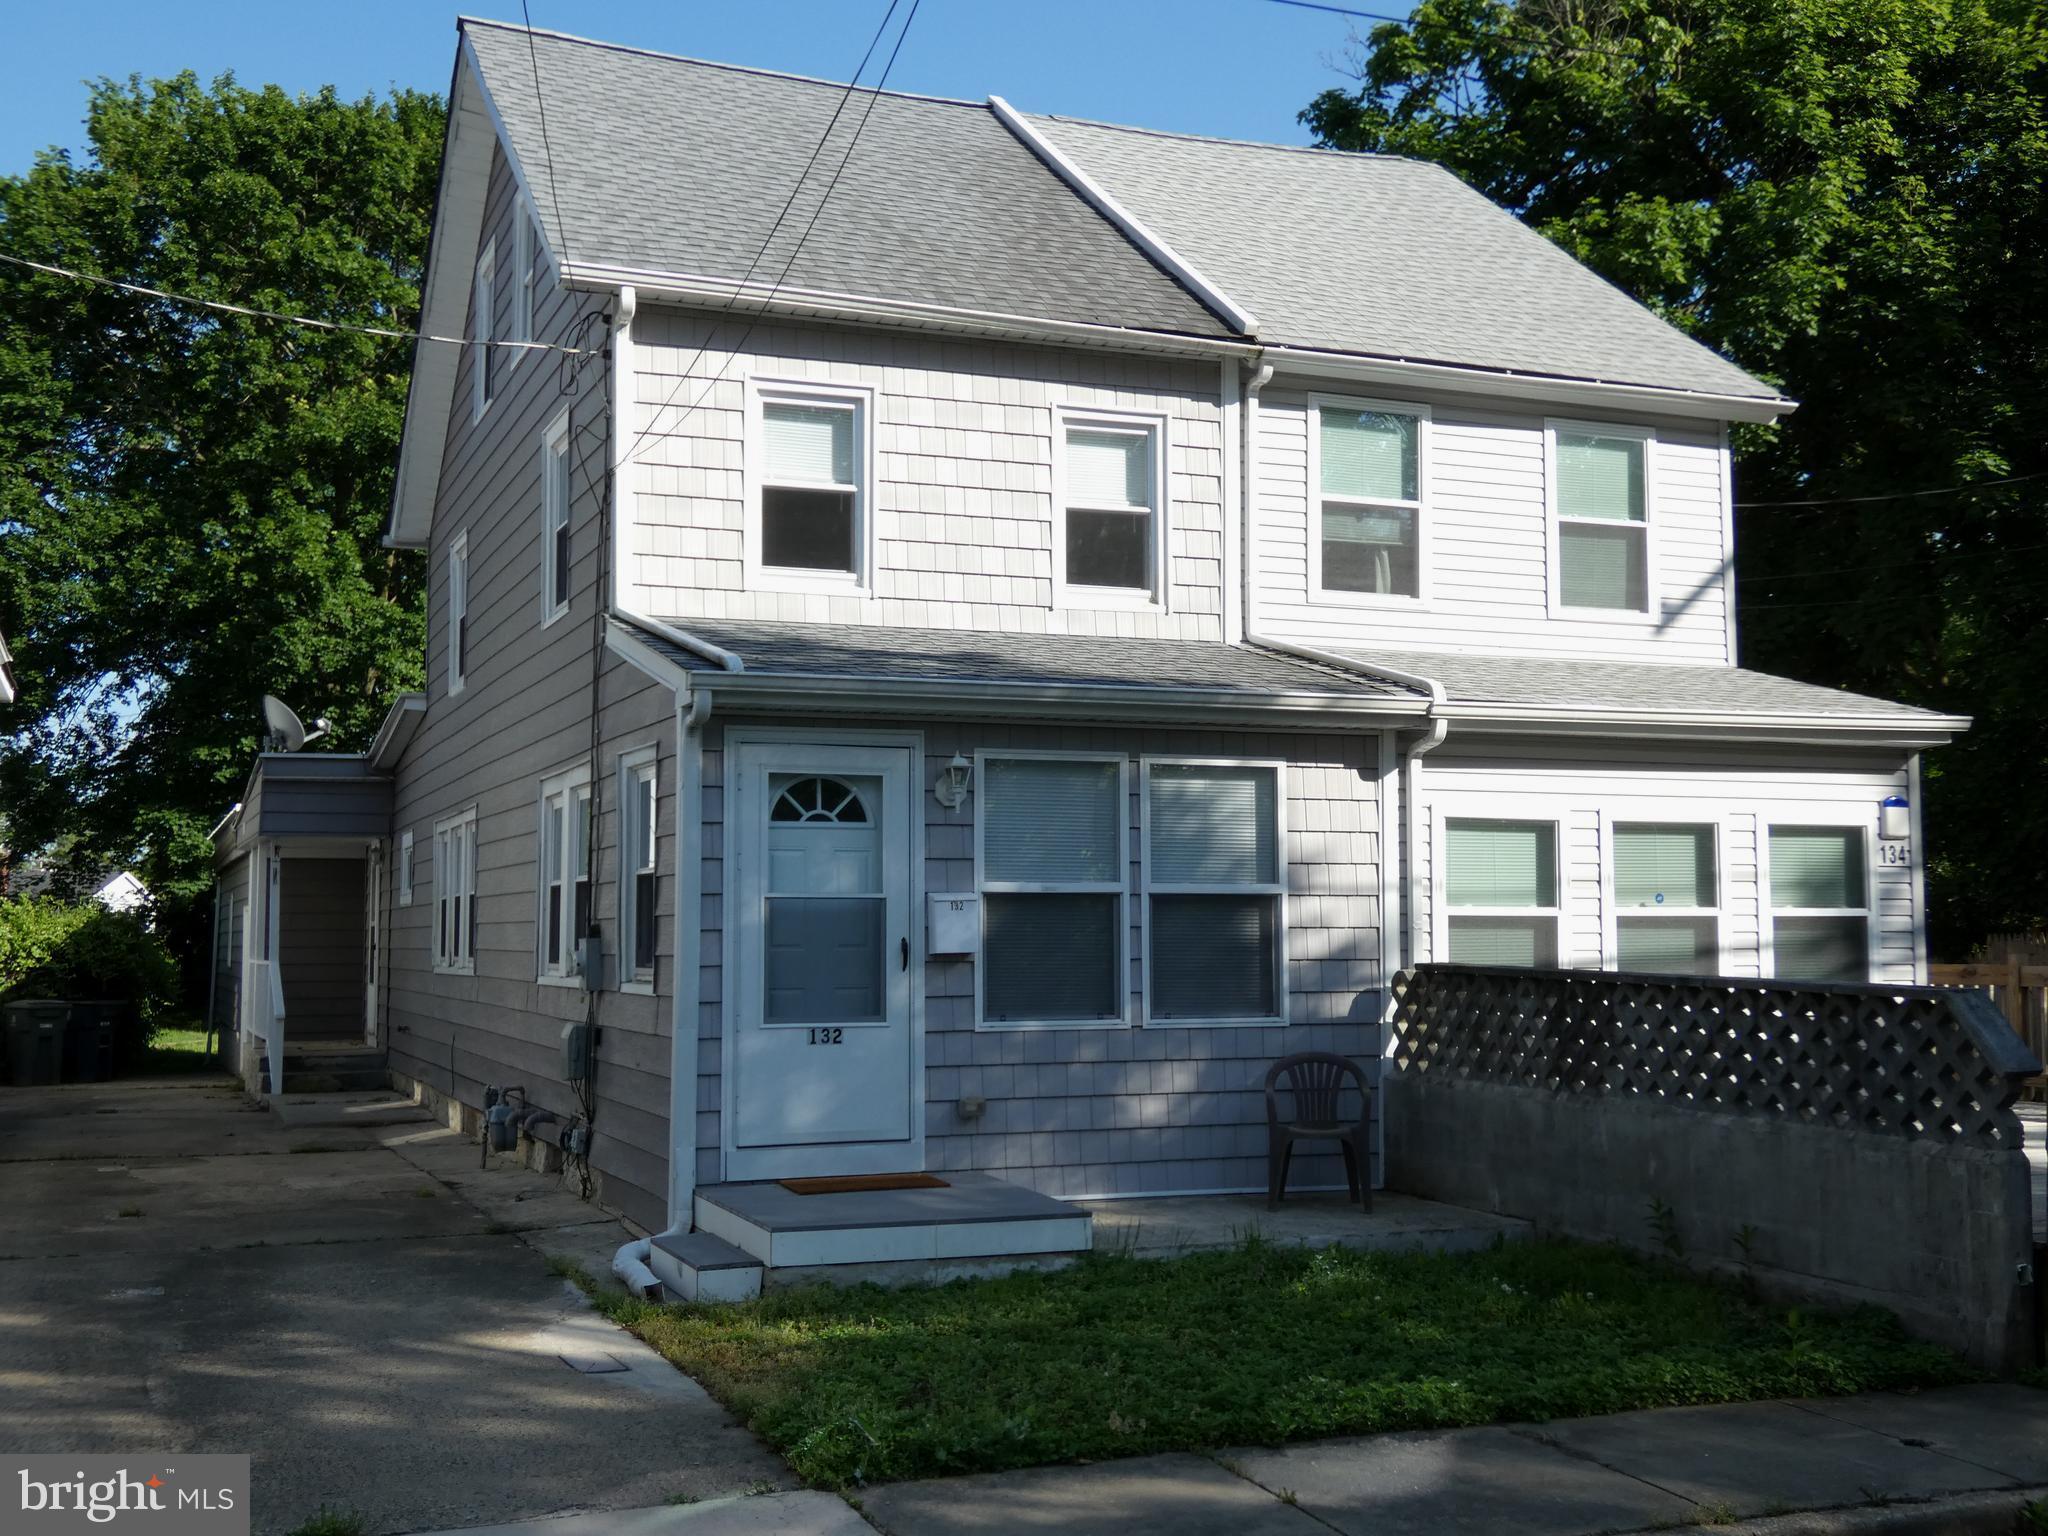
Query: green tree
x=191 y=502
x=1850 y=198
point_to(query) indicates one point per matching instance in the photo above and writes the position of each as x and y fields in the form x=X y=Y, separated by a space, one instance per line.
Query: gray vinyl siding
x=1136 y=1110
x=321 y=947
x=524 y=714
x=1741 y=791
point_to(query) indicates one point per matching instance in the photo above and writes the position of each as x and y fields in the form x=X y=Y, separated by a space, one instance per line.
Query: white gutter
x=1239 y=319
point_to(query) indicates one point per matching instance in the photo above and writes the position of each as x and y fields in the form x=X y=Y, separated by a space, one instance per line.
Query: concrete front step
x=696 y=1266
x=330 y=1068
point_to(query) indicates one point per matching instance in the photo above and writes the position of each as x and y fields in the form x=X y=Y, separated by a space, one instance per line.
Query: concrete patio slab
x=1473 y=1482
x=378 y=1107
x=1147 y=1496
x=1199 y=1223
x=2001 y=1427
x=1763 y=1458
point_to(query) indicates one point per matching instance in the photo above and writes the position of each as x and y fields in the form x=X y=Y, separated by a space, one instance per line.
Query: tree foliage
x=1850 y=198
x=190 y=502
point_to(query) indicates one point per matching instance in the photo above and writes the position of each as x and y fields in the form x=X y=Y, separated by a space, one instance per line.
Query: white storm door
x=826 y=1077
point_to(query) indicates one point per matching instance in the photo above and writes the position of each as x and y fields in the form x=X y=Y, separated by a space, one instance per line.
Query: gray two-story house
x=958 y=638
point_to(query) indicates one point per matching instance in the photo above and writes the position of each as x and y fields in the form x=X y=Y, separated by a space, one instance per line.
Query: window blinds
x=1212 y=825
x=1501 y=864
x=1663 y=866
x=1108 y=469
x=1816 y=867
x=1600 y=477
x=808 y=442
x=1049 y=820
x=1370 y=455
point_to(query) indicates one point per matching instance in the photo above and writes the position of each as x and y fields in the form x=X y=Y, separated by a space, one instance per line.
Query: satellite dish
x=284 y=731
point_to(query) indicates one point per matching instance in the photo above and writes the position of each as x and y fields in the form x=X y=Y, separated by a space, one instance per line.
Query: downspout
x=682 y=1063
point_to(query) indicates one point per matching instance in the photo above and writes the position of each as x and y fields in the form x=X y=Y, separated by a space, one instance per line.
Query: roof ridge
x=465 y=21
x=1356 y=155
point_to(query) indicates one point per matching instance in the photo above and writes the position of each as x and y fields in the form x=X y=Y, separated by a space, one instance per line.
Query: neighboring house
x=1001 y=658
x=122 y=892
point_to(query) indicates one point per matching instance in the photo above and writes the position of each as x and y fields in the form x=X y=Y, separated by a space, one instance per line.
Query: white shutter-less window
x=1212 y=825
x=1368 y=455
x=1663 y=866
x=1501 y=864
x=1108 y=469
x=1816 y=867
x=1050 y=820
x=1600 y=477
x=1212 y=861
x=808 y=442
x=1602 y=510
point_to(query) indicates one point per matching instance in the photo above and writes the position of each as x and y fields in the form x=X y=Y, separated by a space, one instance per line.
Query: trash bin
x=89 y=1041
x=35 y=1040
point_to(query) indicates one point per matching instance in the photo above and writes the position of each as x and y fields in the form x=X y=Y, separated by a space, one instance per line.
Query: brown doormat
x=855 y=1182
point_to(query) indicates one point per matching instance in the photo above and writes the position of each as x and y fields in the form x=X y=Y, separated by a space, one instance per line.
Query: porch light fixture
x=953 y=782
x=1894 y=819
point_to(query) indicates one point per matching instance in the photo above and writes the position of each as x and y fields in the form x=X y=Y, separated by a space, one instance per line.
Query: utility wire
x=547 y=148
x=1940 y=490
x=1531 y=41
x=250 y=312
x=874 y=95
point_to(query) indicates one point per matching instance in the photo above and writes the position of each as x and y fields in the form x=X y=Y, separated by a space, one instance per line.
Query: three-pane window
x=564 y=871
x=810 y=485
x=1111 y=509
x=555 y=549
x=1820 y=918
x=636 y=866
x=1369 y=488
x=1052 y=882
x=1666 y=898
x=1214 y=885
x=1601 y=497
x=1500 y=883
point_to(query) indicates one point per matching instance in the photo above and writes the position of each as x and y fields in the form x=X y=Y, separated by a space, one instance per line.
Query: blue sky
x=1240 y=68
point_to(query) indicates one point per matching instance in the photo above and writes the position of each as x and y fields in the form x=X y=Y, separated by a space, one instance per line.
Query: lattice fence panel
x=1894 y=1061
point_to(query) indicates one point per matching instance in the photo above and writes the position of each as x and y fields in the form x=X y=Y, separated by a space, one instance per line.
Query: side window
x=458 y=612
x=1500 y=891
x=483 y=377
x=554 y=520
x=455 y=893
x=1111 y=540
x=1215 y=890
x=1666 y=899
x=527 y=301
x=637 y=895
x=1600 y=513
x=405 y=868
x=809 y=506
x=565 y=848
x=1051 y=865
x=1820 y=913
x=1367 y=463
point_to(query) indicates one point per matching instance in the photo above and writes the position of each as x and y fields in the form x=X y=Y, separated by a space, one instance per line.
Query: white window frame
x=1767 y=929
x=1440 y=909
x=1275 y=888
x=572 y=788
x=1119 y=888
x=455 y=851
x=1075 y=594
x=1317 y=593
x=405 y=868
x=638 y=766
x=554 y=516
x=858 y=398
x=458 y=611
x=1653 y=591
x=483 y=300
x=526 y=249
x=1614 y=814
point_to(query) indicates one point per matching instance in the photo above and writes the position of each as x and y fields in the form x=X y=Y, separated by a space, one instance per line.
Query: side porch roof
x=307 y=795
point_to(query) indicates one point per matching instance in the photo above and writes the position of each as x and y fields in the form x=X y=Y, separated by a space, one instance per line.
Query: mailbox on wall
x=952 y=923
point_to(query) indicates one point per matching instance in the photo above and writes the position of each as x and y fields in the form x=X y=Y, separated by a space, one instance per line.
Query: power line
x=248 y=311
x=875 y=94
x=1528 y=40
x=547 y=148
x=1940 y=490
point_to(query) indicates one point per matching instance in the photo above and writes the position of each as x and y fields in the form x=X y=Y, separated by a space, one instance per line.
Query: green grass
x=1120 y=1356
x=172 y=1050
x=331 y=1522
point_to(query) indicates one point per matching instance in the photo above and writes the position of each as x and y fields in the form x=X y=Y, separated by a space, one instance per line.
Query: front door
x=825 y=1076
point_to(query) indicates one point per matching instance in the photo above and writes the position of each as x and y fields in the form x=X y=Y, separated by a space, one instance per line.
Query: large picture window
x=1368 y=463
x=1052 y=868
x=455 y=892
x=809 y=508
x=1500 y=888
x=1215 y=891
x=564 y=871
x=1600 y=501
x=637 y=803
x=1112 y=524
x=1820 y=913
x=1666 y=898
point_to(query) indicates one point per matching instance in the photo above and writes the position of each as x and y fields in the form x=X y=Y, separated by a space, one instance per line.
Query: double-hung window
x=637 y=802
x=455 y=893
x=1666 y=898
x=405 y=868
x=1600 y=516
x=1820 y=904
x=1052 y=863
x=484 y=366
x=1367 y=462
x=1112 y=522
x=458 y=612
x=1215 y=891
x=564 y=870
x=527 y=301
x=554 y=520
x=810 y=510
x=1500 y=892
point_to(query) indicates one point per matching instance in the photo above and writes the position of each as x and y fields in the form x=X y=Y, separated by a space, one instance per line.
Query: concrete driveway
x=362 y=1310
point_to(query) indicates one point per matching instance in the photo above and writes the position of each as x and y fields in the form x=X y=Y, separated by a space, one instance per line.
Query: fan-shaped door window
x=816 y=799
x=825 y=902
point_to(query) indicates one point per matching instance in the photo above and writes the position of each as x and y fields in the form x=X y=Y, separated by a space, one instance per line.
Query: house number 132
x=833 y=1036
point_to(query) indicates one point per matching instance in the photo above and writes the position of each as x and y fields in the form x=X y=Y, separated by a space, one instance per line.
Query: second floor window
x=1368 y=475
x=554 y=520
x=528 y=300
x=1601 y=511
x=1111 y=526
x=483 y=377
x=811 y=485
x=405 y=868
x=564 y=870
x=458 y=613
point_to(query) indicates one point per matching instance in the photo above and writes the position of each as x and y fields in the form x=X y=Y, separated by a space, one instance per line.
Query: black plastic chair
x=1316 y=1081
